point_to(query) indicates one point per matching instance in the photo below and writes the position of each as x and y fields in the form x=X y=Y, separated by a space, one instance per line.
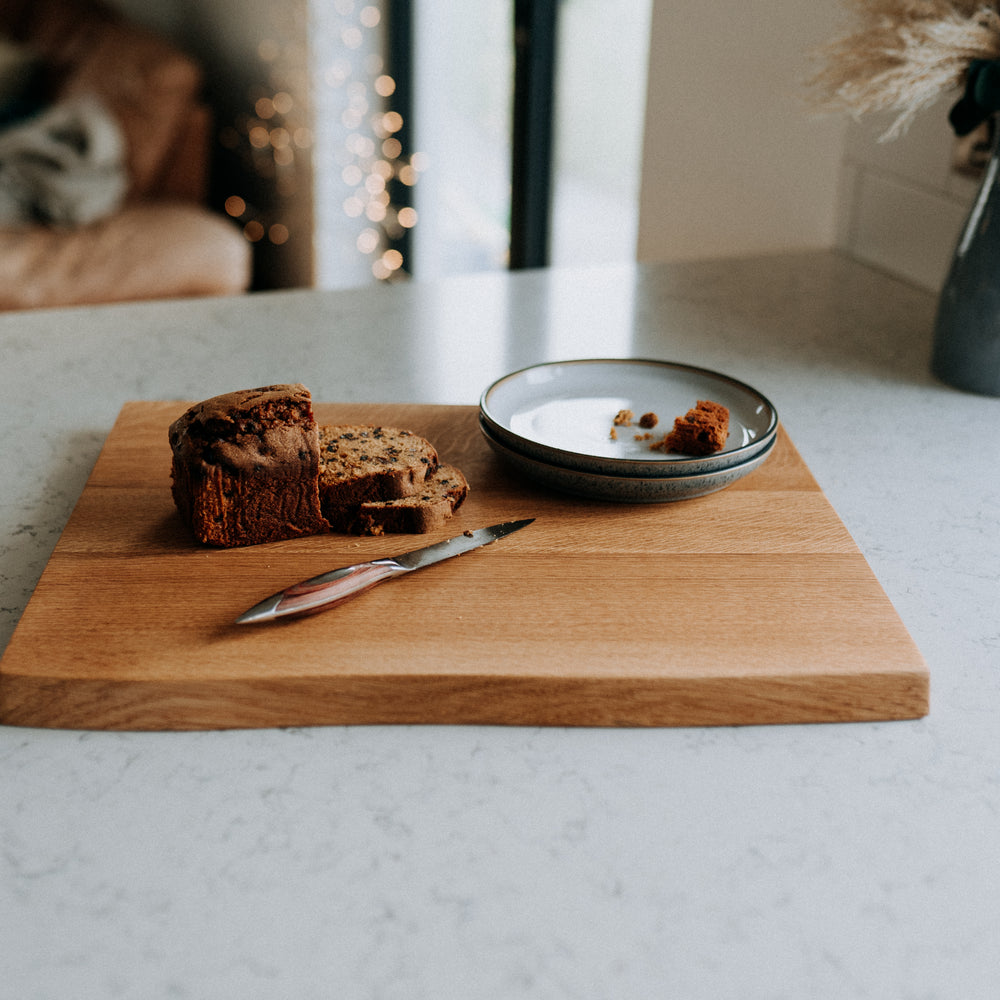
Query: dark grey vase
x=967 y=328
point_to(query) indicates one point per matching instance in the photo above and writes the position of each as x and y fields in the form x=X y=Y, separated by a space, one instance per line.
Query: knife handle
x=334 y=588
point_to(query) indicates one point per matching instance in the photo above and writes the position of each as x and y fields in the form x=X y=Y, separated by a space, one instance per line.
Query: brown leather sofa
x=161 y=240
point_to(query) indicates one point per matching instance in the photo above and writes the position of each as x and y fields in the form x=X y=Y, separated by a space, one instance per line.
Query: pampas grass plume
x=903 y=55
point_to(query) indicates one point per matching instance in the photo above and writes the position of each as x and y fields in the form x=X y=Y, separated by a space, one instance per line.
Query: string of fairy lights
x=276 y=138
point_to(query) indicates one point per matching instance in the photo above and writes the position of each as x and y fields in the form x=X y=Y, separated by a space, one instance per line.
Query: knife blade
x=327 y=590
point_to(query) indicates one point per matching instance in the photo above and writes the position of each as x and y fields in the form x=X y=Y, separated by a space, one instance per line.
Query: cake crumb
x=701 y=431
x=649 y=420
x=624 y=418
x=614 y=434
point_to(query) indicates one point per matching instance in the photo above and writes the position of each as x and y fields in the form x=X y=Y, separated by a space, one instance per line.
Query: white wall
x=901 y=204
x=733 y=160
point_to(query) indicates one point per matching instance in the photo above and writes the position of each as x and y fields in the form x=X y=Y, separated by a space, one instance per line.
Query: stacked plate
x=553 y=424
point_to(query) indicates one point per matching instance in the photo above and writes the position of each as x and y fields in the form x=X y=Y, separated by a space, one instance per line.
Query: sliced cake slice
x=361 y=463
x=440 y=496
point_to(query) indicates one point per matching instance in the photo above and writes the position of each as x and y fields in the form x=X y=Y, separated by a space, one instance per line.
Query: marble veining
x=473 y=863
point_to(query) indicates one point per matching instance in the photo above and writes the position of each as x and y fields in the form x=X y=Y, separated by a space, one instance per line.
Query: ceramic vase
x=967 y=328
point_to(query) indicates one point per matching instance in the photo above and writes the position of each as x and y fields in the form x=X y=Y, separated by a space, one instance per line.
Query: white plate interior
x=572 y=405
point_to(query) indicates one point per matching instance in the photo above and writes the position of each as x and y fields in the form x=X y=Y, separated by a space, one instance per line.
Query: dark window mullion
x=399 y=65
x=532 y=139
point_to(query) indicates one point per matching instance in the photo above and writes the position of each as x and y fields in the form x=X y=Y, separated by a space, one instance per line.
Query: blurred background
x=356 y=142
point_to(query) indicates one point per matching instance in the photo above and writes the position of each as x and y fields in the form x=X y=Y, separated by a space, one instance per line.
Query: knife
x=330 y=589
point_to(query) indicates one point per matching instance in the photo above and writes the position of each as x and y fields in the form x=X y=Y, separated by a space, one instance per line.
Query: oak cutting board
x=751 y=605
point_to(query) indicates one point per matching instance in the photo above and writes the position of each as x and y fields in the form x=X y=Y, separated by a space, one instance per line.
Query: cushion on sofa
x=146 y=251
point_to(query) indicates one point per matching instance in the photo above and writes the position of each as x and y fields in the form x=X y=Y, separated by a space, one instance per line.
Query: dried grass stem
x=903 y=55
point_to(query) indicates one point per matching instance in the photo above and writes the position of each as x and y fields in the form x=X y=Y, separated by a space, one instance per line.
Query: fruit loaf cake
x=438 y=498
x=245 y=467
x=359 y=464
x=252 y=466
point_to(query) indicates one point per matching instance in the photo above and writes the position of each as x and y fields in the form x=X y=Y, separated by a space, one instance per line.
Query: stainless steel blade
x=330 y=589
x=465 y=542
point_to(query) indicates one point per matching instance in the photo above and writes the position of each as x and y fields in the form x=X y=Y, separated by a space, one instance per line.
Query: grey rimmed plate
x=561 y=413
x=624 y=489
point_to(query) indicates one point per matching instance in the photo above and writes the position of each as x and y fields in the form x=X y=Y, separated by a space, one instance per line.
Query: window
x=460 y=80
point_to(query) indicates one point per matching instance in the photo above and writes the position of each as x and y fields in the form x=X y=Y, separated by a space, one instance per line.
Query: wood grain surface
x=749 y=606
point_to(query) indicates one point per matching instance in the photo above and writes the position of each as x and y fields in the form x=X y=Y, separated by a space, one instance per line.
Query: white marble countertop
x=459 y=863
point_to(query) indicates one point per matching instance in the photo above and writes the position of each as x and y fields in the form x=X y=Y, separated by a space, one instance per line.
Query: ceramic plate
x=623 y=489
x=562 y=413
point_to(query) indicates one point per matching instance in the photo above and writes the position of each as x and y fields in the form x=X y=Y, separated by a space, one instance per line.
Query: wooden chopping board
x=751 y=605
